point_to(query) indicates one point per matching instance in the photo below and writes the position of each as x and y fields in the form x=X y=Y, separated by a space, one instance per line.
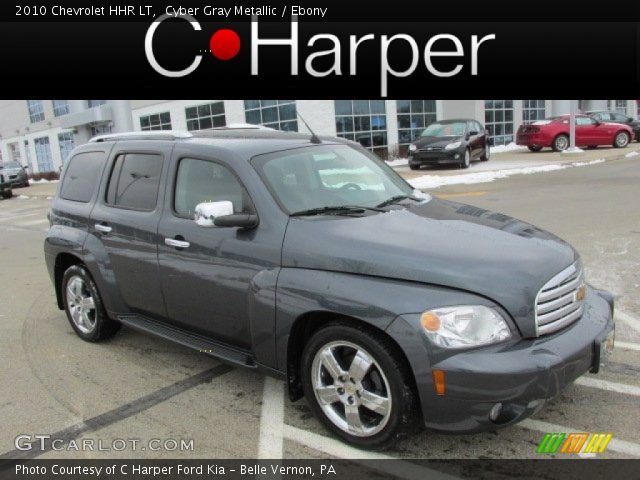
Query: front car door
x=475 y=139
x=221 y=277
x=125 y=221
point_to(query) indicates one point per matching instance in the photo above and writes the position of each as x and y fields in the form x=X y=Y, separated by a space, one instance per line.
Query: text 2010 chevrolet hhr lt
x=312 y=260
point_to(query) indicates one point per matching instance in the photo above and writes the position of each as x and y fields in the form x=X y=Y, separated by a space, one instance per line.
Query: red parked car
x=590 y=132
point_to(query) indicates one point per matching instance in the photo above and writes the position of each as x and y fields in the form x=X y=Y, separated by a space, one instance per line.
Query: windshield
x=10 y=165
x=329 y=176
x=454 y=129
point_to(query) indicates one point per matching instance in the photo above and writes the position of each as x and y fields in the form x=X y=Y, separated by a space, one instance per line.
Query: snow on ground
x=511 y=147
x=436 y=181
x=397 y=162
x=632 y=154
x=43 y=180
x=23 y=197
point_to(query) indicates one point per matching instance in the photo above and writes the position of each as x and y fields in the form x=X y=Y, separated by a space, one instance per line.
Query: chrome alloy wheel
x=81 y=305
x=351 y=388
x=622 y=139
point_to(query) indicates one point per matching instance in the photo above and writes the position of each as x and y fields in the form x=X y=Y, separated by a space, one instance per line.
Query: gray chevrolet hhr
x=310 y=259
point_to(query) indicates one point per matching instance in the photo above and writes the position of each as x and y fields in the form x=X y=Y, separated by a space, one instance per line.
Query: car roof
x=246 y=142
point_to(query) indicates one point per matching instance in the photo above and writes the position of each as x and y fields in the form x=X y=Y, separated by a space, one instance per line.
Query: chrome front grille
x=560 y=301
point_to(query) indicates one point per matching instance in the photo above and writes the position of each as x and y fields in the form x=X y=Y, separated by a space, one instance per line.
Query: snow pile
x=632 y=154
x=23 y=197
x=572 y=151
x=43 y=180
x=398 y=162
x=511 y=147
x=436 y=181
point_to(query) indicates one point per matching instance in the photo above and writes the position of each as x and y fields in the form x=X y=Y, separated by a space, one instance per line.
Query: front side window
x=36 y=110
x=328 y=176
x=205 y=117
x=134 y=181
x=278 y=114
x=156 y=121
x=584 y=121
x=620 y=118
x=202 y=181
x=82 y=176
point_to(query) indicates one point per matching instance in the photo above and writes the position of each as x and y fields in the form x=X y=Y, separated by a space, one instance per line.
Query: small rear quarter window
x=82 y=176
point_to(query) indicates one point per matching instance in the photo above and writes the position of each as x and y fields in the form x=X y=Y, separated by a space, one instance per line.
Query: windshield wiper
x=335 y=210
x=396 y=199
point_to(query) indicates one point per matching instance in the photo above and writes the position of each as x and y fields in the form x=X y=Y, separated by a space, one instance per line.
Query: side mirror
x=206 y=212
x=242 y=220
x=473 y=132
x=26 y=167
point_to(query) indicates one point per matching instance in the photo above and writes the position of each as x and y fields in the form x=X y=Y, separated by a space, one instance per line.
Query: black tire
x=486 y=154
x=560 y=143
x=104 y=327
x=402 y=417
x=7 y=194
x=534 y=148
x=26 y=184
x=466 y=159
x=621 y=140
x=414 y=167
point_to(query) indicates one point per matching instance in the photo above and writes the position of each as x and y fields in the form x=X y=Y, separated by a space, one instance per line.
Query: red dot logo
x=224 y=44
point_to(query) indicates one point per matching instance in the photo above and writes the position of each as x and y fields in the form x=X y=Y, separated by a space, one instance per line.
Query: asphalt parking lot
x=139 y=387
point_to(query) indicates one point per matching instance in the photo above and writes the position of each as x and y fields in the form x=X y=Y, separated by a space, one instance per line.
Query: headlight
x=412 y=148
x=453 y=146
x=464 y=326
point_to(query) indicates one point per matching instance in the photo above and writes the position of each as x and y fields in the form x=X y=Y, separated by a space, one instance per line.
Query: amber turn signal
x=430 y=321
x=439 y=381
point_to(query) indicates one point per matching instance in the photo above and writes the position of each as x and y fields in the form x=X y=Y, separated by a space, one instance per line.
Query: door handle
x=173 y=242
x=101 y=227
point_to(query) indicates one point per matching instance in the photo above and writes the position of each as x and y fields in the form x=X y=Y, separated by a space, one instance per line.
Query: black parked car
x=5 y=186
x=616 y=117
x=15 y=173
x=457 y=142
x=311 y=260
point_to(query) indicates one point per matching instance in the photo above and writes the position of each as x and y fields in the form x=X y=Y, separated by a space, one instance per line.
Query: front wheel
x=358 y=385
x=487 y=153
x=621 y=140
x=6 y=194
x=560 y=143
x=414 y=167
x=466 y=159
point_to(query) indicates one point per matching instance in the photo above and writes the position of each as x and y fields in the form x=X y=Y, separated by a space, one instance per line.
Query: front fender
x=375 y=301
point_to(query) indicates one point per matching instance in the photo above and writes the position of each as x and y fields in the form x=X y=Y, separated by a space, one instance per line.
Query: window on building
x=14 y=152
x=43 y=154
x=100 y=129
x=134 y=181
x=66 y=143
x=156 y=121
x=498 y=118
x=205 y=117
x=413 y=117
x=60 y=107
x=533 y=110
x=95 y=103
x=27 y=154
x=278 y=114
x=82 y=176
x=619 y=106
x=364 y=121
x=36 y=110
x=201 y=181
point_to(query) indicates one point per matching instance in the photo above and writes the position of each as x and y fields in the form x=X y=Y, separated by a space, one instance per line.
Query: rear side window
x=134 y=181
x=82 y=176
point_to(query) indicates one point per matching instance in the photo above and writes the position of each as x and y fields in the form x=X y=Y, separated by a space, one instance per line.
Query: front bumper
x=436 y=157
x=17 y=180
x=521 y=375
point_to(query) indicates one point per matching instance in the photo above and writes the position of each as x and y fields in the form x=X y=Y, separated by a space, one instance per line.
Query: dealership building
x=41 y=133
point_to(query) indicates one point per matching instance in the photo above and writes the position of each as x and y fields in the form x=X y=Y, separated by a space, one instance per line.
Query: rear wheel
x=414 y=167
x=487 y=153
x=83 y=306
x=560 y=143
x=358 y=385
x=534 y=148
x=466 y=159
x=621 y=140
x=8 y=193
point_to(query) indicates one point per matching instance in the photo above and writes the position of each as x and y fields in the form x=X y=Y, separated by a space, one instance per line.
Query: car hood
x=440 y=142
x=440 y=243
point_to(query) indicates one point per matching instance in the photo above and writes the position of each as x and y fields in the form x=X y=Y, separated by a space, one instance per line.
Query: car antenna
x=314 y=137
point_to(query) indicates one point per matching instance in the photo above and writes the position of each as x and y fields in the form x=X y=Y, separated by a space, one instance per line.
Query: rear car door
x=125 y=220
